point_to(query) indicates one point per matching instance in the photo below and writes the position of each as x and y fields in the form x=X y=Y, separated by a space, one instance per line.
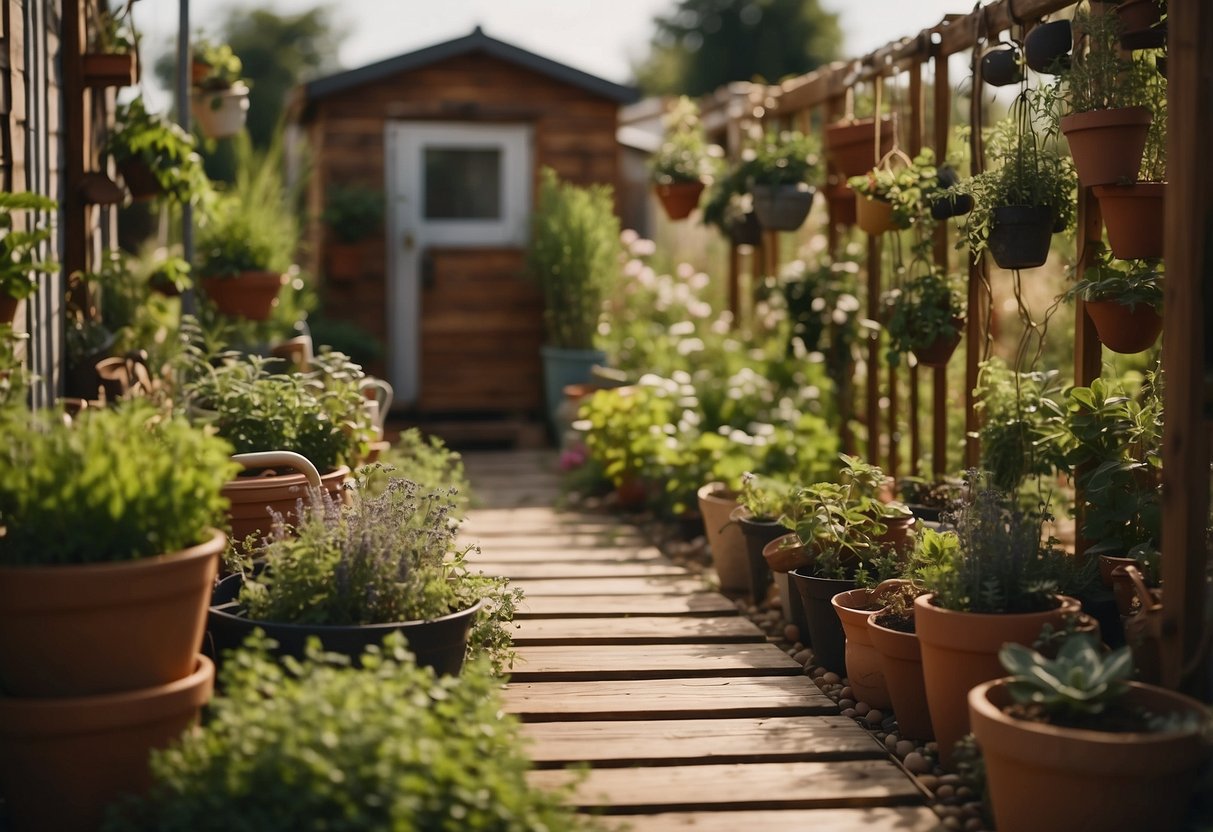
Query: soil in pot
x=249 y=295
x=897 y=645
x=1107 y=145
x=1020 y=236
x=825 y=630
x=725 y=541
x=679 y=199
x=758 y=533
x=782 y=207
x=864 y=670
x=253 y=497
x=1136 y=218
x=1123 y=329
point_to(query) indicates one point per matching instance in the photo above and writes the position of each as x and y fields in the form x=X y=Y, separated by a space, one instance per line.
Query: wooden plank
x=566 y=587
x=539 y=517
x=667 y=699
x=700 y=741
x=733 y=629
x=610 y=606
x=901 y=819
x=571 y=663
x=783 y=785
x=565 y=569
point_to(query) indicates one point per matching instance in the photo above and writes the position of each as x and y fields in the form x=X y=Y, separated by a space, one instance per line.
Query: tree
x=705 y=44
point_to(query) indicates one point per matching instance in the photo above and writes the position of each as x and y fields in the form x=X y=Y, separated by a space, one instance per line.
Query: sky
x=602 y=37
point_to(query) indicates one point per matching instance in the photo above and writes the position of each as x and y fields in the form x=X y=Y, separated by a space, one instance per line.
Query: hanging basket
x=1135 y=216
x=1107 y=145
x=220 y=114
x=139 y=179
x=104 y=69
x=782 y=207
x=1001 y=67
x=874 y=216
x=1123 y=329
x=1047 y=47
x=679 y=199
x=1020 y=236
x=850 y=144
x=745 y=231
x=250 y=295
x=939 y=351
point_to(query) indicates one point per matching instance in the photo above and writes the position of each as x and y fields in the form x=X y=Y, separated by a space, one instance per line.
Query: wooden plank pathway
x=688 y=719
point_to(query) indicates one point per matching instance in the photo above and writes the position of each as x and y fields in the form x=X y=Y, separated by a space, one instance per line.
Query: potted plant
x=1020 y=413
x=851 y=144
x=998 y=584
x=927 y=499
x=1143 y=24
x=786 y=169
x=717 y=502
x=111 y=59
x=350 y=574
x=384 y=746
x=1055 y=733
x=108 y=557
x=730 y=207
x=155 y=156
x=21 y=249
x=1124 y=300
x=897 y=192
x=352 y=214
x=219 y=102
x=1046 y=47
x=926 y=317
x=685 y=161
x=765 y=513
x=574 y=258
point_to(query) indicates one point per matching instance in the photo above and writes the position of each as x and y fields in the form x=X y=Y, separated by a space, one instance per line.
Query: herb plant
x=22 y=249
x=117 y=484
x=223 y=66
x=910 y=188
x=926 y=308
x=1127 y=282
x=728 y=199
x=427 y=461
x=353 y=213
x=1020 y=414
x=1103 y=77
x=785 y=158
x=684 y=155
x=321 y=745
x=163 y=146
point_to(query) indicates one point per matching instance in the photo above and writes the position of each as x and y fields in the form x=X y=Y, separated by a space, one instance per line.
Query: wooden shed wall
x=574 y=133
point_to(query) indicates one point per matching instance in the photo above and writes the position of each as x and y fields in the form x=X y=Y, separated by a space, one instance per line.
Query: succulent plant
x=1078 y=683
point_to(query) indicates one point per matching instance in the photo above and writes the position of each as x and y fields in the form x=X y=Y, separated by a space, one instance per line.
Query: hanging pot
x=220 y=114
x=1001 y=67
x=725 y=541
x=106 y=69
x=825 y=630
x=1135 y=216
x=1141 y=25
x=139 y=179
x=746 y=231
x=1107 y=145
x=901 y=665
x=850 y=144
x=679 y=199
x=1047 y=47
x=939 y=351
x=250 y=295
x=1020 y=236
x=874 y=216
x=842 y=204
x=782 y=207
x=951 y=205
x=1123 y=329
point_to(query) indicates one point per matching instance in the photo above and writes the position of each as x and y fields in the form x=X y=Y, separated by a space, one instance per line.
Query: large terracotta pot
x=960 y=650
x=825 y=630
x=679 y=198
x=250 y=295
x=64 y=759
x=1135 y=216
x=864 y=670
x=875 y=216
x=850 y=145
x=757 y=533
x=252 y=498
x=99 y=628
x=901 y=664
x=1020 y=236
x=729 y=559
x=1123 y=329
x=1107 y=145
x=1043 y=776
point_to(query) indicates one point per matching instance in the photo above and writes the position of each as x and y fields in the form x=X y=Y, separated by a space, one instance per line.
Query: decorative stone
x=846 y=703
x=862 y=708
x=847 y=693
x=953 y=823
x=791 y=632
x=916 y=763
x=818 y=672
x=946 y=791
x=964 y=793
x=974 y=825
x=874 y=717
x=849 y=712
x=890 y=742
x=903 y=748
x=950 y=779
x=929 y=781
x=803 y=656
x=831 y=678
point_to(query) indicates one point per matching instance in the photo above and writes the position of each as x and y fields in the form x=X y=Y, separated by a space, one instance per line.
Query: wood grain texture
x=636 y=631
x=700 y=741
x=656 y=661
x=782 y=785
x=667 y=699
x=868 y=819
x=609 y=606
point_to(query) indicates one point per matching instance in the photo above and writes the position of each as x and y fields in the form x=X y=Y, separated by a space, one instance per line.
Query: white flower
x=628 y=236
x=684 y=271
x=682 y=328
x=689 y=345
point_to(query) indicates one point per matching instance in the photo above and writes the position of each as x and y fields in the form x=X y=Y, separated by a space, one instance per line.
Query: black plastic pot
x=1047 y=47
x=440 y=643
x=1001 y=67
x=1020 y=236
x=825 y=630
x=757 y=534
x=952 y=205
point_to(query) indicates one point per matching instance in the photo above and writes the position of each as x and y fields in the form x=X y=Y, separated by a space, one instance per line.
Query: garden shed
x=454 y=136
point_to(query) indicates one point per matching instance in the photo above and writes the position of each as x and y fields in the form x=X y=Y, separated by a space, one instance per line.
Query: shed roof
x=477 y=41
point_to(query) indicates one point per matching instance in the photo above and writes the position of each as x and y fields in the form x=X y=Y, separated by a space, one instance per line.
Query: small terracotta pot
x=106 y=69
x=343 y=261
x=679 y=199
x=99 y=628
x=1000 y=67
x=1047 y=47
x=63 y=760
x=901 y=664
x=1122 y=329
x=841 y=200
x=960 y=650
x=874 y=216
x=1042 y=776
x=850 y=145
x=785 y=553
x=825 y=630
x=725 y=541
x=782 y=207
x=1020 y=236
x=1107 y=145
x=1136 y=218
x=899 y=533
x=939 y=351
x=757 y=534
x=864 y=670
x=250 y=295
x=8 y=308
x=252 y=498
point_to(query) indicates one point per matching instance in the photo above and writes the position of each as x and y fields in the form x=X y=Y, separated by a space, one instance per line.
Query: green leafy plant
x=353 y=213
x=684 y=155
x=21 y=249
x=728 y=200
x=1076 y=686
x=14 y=377
x=116 y=484
x=910 y=188
x=766 y=498
x=928 y=307
x=785 y=158
x=111 y=32
x=163 y=146
x=1020 y=415
x=223 y=66
x=1127 y=282
x=1101 y=76
x=573 y=257
x=427 y=461
x=318 y=744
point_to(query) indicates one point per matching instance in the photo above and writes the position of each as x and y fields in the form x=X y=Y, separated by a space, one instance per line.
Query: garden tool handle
x=885 y=588
x=281 y=459
x=1148 y=604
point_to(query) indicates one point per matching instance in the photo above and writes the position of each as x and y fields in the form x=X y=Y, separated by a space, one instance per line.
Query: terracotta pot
x=899 y=533
x=901 y=664
x=139 y=179
x=1020 y=236
x=757 y=534
x=252 y=498
x=1047 y=47
x=825 y=630
x=98 y=628
x=1135 y=216
x=1122 y=329
x=725 y=541
x=785 y=553
x=1107 y=145
x=841 y=200
x=1141 y=25
x=343 y=261
x=220 y=114
x=960 y=650
x=874 y=216
x=864 y=670
x=782 y=207
x=1000 y=67
x=63 y=760
x=1044 y=776
x=679 y=199
x=248 y=295
x=939 y=351
x=103 y=69
x=850 y=145
x=8 y=308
